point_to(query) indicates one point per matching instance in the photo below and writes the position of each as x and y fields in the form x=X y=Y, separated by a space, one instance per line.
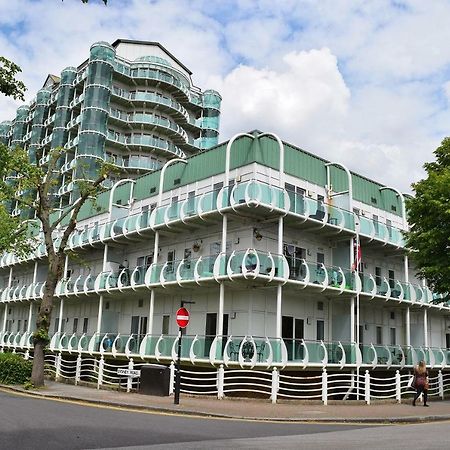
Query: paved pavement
x=292 y=411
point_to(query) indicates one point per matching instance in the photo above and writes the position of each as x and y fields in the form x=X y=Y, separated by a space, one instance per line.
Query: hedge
x=14 y=369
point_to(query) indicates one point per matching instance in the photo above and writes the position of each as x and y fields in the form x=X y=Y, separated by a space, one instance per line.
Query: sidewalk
x=347 y=412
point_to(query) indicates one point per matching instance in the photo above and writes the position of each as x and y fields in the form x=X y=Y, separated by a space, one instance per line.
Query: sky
x=362 y=82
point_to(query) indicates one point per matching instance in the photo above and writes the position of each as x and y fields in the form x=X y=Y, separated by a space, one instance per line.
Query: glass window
x=320 y=330
x=85 y=325
x=165 y=324
x=379 y=338
x=378 y=276
x=75 y=325
x=392 y=336
x=391 y=279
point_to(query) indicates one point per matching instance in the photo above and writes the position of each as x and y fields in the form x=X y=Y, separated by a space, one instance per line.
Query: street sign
x=129 y=373
x=182 y=317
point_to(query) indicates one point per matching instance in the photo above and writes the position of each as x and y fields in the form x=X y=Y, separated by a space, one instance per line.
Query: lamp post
x=155 y=248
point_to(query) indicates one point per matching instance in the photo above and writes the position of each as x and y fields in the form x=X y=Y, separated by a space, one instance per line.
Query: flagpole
x=358 y=262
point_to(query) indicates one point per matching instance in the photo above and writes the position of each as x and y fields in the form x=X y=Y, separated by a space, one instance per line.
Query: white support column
x=275 y=385
x=279 y=287
x=324 y=387
x=151 y=309
x=367 y=387
x=352 y=319
x=30 y=316
x=61 y=312
x=5 y=317
x=100 y=314
x=220 y=382
x=408 y=327
x=425 y=327
x=398 y=390
x=406 y=268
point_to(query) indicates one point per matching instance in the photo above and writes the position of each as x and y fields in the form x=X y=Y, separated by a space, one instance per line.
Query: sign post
x=182 y=318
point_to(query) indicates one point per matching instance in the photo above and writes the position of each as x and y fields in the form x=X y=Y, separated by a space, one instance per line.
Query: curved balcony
x=241 y=351
x=162 y=103
x=76 y=101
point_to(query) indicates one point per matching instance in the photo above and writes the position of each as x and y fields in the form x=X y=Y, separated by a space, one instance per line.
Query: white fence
x=271 y=384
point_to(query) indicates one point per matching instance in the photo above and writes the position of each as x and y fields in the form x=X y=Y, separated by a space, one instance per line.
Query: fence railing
x=269 y=384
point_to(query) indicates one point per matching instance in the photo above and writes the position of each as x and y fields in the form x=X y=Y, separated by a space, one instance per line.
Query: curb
x=192 y=413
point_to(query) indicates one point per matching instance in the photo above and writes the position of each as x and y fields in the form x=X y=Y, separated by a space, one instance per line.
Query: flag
x=357 y=254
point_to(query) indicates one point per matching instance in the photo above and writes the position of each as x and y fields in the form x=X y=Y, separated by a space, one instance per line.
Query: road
x=32 y=423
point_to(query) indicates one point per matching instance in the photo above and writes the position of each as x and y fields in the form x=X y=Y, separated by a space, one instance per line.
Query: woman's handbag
x=426 y=385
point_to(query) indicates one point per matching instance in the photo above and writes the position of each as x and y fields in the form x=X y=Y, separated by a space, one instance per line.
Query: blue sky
x=366 y=83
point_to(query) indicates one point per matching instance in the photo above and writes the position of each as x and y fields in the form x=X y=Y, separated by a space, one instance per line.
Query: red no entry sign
x=182 y=317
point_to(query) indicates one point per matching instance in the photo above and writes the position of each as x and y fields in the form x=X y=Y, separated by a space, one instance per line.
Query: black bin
x=155 y=379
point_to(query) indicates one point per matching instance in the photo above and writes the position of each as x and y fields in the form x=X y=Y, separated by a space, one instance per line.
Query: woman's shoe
x=414 y=403
x=427 y=406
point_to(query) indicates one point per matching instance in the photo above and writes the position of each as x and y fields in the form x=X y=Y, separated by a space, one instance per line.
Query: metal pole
x=176 y=399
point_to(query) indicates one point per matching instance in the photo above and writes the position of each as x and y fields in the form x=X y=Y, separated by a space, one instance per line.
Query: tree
x=29 y=188
x=429 y=216
x=8 y=83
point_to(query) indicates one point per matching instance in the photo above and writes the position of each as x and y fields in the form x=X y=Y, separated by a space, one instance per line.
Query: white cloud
x=365 y=83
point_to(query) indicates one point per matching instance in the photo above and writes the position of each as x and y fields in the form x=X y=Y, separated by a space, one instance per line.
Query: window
x=140 y=303
x=379 y=337
x=165 y=324
x=75 y=325
x=320 y=330
x=170 y=260
x=56 y=324
x=187 y=257
x=392 y=336
x=375 y=224
x=389 y=227
x=373 y=200
x=19 y=322
x=378 y=276
x=319 y=306
x=320 y=259
x=190 y=206
x=25 y=325
x=85 y=325
x=447 y=340
x=391 y=279
x=392 y=315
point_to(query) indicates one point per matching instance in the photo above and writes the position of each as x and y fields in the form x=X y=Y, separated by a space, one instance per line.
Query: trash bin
x=155 y=379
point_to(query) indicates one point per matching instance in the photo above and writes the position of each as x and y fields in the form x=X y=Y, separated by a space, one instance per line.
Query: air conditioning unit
x=310 y=194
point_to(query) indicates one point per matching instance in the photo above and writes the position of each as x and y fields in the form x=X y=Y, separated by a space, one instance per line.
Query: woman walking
x=421 y=382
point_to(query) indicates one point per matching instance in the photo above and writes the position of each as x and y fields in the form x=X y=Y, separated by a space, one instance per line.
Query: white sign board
x=129 y=373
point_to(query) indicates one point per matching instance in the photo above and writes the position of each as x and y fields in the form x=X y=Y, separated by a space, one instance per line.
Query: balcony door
x=292 y=332
x=211 y=330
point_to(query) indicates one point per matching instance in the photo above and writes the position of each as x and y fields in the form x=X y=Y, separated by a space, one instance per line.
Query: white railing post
x=100 y=372
x=130 y=379
x=27 y=355
x=172 y=378
x=398 y=391
x=58 y=366
x=441 y=385
x=275 y=385
x=367 y=387
x=78 y=369
x=220 y=381
x=325 y=387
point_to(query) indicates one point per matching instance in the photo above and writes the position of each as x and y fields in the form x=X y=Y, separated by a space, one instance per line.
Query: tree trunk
x=40 y=337
x=37 y=374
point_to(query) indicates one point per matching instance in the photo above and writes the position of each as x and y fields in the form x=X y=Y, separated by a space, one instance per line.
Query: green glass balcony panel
x=91 y=144
x=211 y=99
x=105 y=230
x=132 y=223
x=101 y=280
x=96 y=96
x=297 y=203
x=208 y=201
x=63 y=342
x=190 y=206
x=165 y=346
x=381 y=231
x=102 y=51
x=236 y=262
x=205 y=268
x=150 y=345
x=295 y=350
x=367 y=284
x=94 y=120
x=406 y=290
x=335 y=277
x=210 y=122
x=317 y=273
x=143 y=220
x=395 y=236
x=297 y=270
x=156 y=273
x=170 y=271
x=117 y=226
x=100 y=74
x=366 y=226
x=187 y=270
x=160 y=214
x=173 y=211
x=368 y=353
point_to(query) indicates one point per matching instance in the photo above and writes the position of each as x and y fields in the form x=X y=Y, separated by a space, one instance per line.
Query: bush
x=14 y=369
